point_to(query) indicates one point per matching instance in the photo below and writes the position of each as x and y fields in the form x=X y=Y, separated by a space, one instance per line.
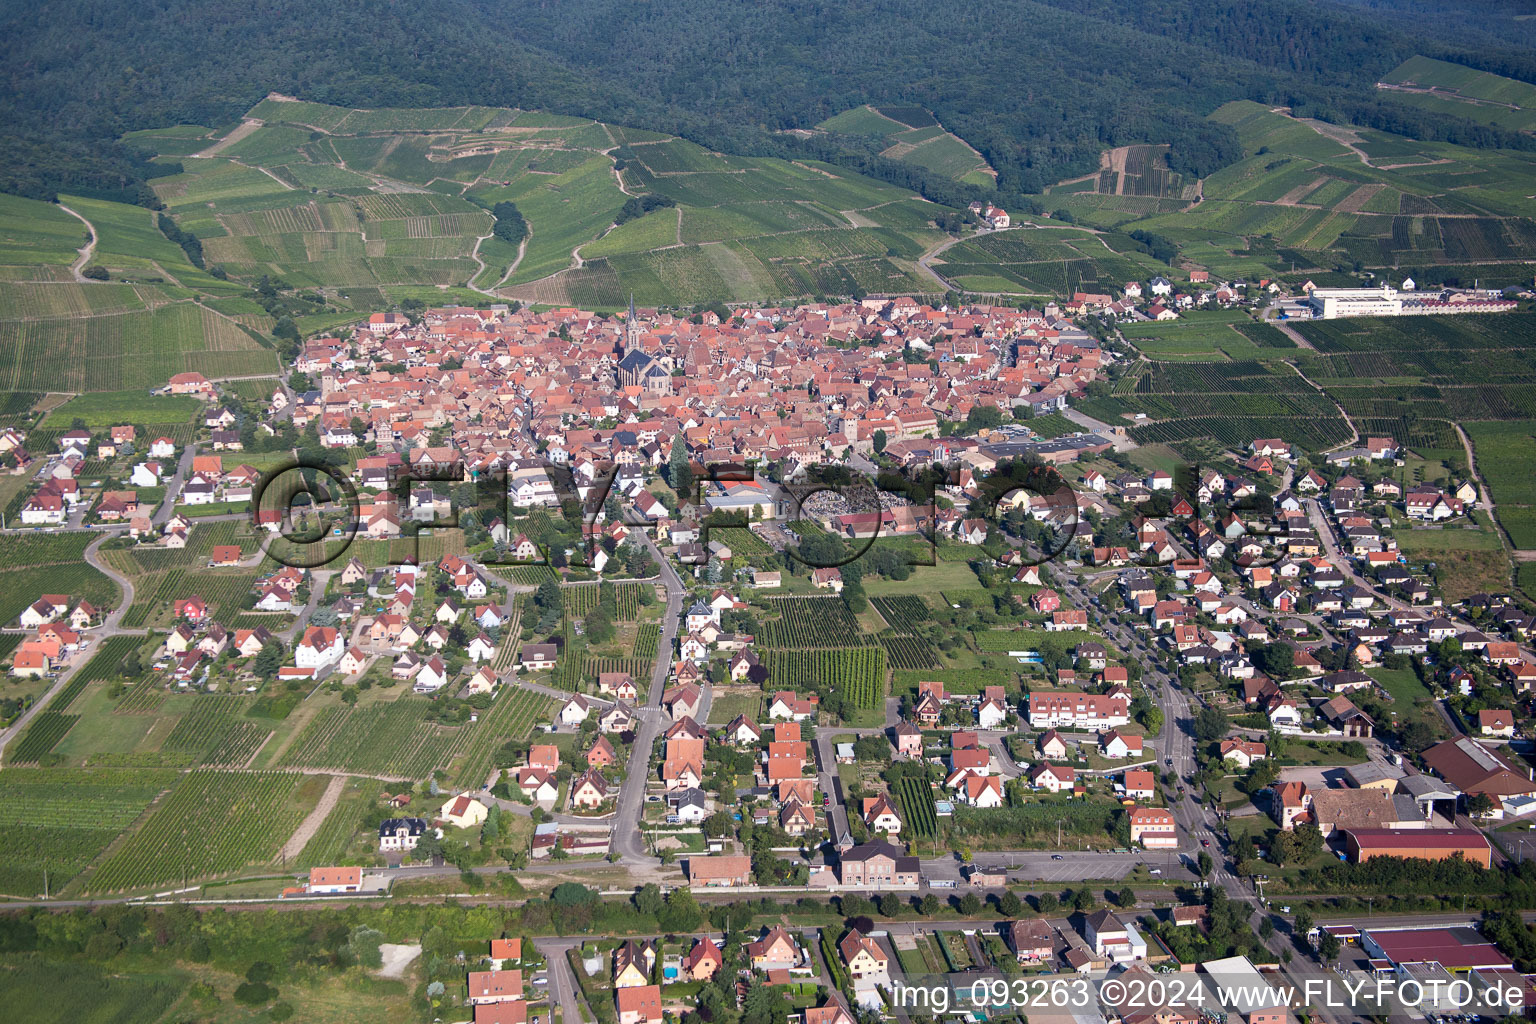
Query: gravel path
x=310 y=825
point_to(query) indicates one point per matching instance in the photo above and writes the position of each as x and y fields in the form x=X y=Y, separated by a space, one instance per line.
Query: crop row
x=904 y=614
x=646 y=639
x=212 y=823
x=916 y=799
x=908 y=651
x=811 y=622
x=383 y=739
x=858 y=672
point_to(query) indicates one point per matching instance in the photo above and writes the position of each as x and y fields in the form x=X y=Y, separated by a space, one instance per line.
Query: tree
x=878 y=441
x=571 y=894
x=970 y=904
x=648 y=900
x=1303 y=922
x=268 y=660
x=1211 y=724
x=1126 y=897
x=1479 y=805
x=679 y=472
x=889 y=904
x=1328 y=946
x=764 y=1004
x=1204 y=864
x=1009 y=904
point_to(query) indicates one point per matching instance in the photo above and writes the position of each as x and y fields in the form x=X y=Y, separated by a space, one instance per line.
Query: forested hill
x=1038 y=86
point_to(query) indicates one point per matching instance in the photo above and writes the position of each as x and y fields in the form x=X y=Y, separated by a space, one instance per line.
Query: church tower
x=631 y=327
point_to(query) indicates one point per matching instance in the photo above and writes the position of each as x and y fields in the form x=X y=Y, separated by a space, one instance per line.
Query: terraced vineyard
x=811 y=622
x=212 y=823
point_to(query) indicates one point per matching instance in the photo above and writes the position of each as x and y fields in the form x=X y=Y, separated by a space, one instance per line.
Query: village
x=613 y=585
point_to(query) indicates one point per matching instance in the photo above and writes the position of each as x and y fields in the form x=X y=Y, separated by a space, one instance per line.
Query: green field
x=211 y=824
x=1464 y=92
x=39 y=564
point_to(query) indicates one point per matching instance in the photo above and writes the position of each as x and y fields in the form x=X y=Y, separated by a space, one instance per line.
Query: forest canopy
x=1039 y=87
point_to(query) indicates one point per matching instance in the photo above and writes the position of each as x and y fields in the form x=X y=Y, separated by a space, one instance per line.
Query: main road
x=627 y=841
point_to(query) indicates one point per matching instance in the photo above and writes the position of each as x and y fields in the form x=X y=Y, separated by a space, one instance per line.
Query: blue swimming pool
x=669 y=973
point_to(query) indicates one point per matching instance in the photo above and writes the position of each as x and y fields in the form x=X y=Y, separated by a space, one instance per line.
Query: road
x=627 y=841
x=110 y=626
x=173 y=486
x=85 y=251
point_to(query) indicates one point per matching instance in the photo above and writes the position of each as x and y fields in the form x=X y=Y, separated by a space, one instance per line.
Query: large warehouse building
x=1332 y=303
x=1418 y=844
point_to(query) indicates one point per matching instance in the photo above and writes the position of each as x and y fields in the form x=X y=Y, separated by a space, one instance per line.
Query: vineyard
x=908 y=651
x=811 y=622
x=50 y=725
x=579 y=601
x=33 y=564
x=211 y=824
x=329 y=843
x=59 y=820
x=512 y=717
x=639 y=668
x=628 y=595
x=916 y=799
x=903 y=614
x=224 y=590
x=391 y=740
x=741 y=540
x=858 y=672
x=646 y=639
x=215 y=734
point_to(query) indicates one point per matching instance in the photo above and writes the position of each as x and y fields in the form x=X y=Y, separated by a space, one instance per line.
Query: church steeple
x=632 y=325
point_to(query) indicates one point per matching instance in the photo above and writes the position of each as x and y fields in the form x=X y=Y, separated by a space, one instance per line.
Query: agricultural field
x=1199 y=334
x=1231 y=402
x=37 y=240
x=810 y=622
x=858 y=672
x=212 y=823
x=393 y=739
x=1462 y=92
x=88 y=337
x=35 y=564
x=1045 y=261
x=914 y=137
x=59 y=820
x=915 y=796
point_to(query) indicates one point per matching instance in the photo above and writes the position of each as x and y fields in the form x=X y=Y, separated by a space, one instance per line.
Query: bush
x=254 y=993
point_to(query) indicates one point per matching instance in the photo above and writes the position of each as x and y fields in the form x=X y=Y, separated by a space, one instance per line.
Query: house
x=1052 y=778
x=742 y=731
x=601 y=754
x=1109 y=936
x=789 y=705
x=537 y=657
x=589 y=790
x=639 y=1005
x=320 y=646
x=575 y=710
x=878 y=865
x=1140 y=784
x=775 y=950
x=1497 y=722
x=1242 y=753
x=827 y=579
x=864 y=958
x=431 y=676
x=720 y=872
x=1341 y=713
x=703 y=960
x=334 y=880
x=400 y=834
x=1153 y=828
x=880 y=815
x=1290 y=804
x=909 y=740
x=538 y=785
x=1051 y=745
x=1115 y=743
x=633 y=962
x=1032 y=941
x=463 y=811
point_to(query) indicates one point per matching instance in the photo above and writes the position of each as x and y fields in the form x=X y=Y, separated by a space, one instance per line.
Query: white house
x=321 y=646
